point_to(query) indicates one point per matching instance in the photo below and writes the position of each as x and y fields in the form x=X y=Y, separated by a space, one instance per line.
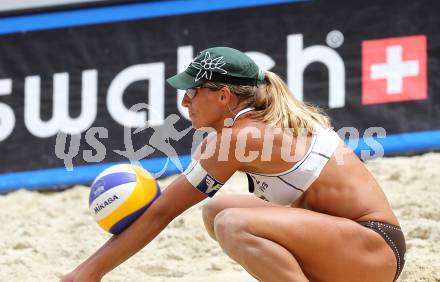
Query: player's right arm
x=176 y=198
x=184 y=192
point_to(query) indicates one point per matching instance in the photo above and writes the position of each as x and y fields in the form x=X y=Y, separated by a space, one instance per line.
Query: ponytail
x=275 y=105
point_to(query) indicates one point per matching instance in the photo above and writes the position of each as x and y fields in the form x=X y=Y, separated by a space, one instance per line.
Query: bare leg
x=289 y=244
x=264 y=259
x=273 y=255
x=222 y=202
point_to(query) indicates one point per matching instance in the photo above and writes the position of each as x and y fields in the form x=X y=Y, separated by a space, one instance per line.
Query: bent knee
x=231 y=226
x=210 y=211
x=215 y=205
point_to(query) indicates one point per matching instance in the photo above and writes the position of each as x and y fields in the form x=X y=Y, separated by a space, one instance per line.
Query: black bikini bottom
x=394 y=237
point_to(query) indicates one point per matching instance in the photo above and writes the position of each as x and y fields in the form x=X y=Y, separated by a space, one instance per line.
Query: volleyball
x=120 y=194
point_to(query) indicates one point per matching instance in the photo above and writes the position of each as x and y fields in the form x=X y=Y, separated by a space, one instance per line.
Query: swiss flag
x=394 y=69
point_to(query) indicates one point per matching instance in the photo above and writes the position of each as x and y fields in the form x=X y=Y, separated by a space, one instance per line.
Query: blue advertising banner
x=72 y=78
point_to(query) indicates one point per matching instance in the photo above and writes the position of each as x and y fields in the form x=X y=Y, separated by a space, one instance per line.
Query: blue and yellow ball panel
x=120 y=194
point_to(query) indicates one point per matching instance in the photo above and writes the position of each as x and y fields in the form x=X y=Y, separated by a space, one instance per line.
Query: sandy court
x=44 y=235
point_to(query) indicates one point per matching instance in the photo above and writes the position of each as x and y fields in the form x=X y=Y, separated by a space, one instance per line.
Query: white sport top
x=286 y=187
x=281 y=188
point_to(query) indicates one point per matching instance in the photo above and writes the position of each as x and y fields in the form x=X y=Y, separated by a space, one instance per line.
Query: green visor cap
x=219 y=64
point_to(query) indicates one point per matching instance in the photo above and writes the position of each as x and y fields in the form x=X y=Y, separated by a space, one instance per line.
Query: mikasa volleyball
x=120 y=194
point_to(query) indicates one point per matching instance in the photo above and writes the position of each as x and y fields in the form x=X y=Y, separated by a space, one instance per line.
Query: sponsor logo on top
x=394 y=69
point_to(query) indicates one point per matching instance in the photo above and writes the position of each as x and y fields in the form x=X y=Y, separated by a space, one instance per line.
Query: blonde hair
x=276 y=106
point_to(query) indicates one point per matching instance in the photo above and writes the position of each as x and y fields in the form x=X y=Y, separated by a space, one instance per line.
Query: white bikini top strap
x=242 y=112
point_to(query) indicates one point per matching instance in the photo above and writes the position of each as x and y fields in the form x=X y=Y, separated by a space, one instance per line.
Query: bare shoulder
x=250 y=131
x=216 y=154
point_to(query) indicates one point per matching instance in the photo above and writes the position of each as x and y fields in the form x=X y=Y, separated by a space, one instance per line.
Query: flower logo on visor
x=207 y=66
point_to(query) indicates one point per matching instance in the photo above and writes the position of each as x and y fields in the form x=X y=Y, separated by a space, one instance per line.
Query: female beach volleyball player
x=319 y=215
